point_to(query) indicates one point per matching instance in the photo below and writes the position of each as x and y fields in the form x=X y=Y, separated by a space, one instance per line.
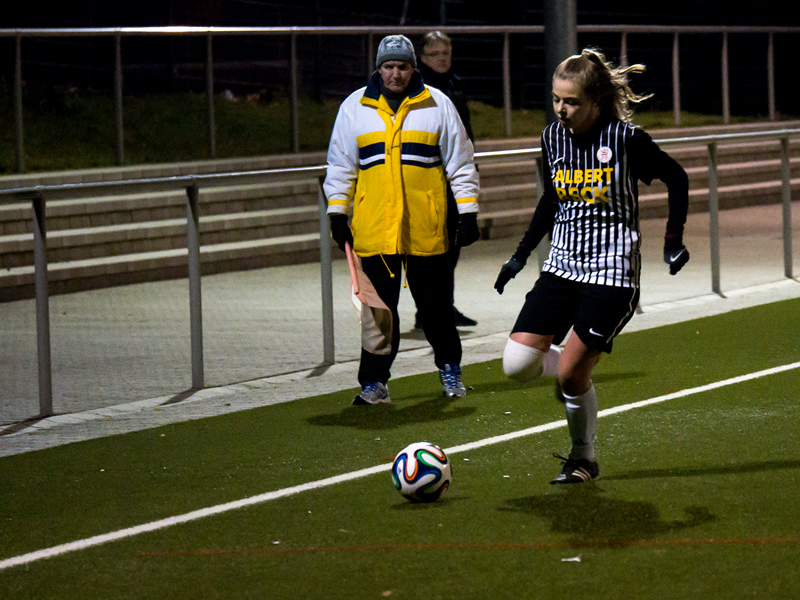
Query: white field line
x=313 y=485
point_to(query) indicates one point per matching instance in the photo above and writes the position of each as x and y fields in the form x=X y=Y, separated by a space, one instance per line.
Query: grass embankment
x=76 y=130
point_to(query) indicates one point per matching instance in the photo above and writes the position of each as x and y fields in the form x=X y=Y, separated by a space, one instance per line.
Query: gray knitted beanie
x=396 y=47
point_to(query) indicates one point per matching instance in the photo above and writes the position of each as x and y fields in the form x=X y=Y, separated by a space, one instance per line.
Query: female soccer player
x=593 y=159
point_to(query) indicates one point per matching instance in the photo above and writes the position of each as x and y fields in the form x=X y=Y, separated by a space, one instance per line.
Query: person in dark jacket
x=437 y=71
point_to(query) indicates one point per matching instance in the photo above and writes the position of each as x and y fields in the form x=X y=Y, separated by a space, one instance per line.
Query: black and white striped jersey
x=593 y=180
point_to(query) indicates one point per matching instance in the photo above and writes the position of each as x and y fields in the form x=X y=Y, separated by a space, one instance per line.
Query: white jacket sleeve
x=458 y=158
x=342 y=172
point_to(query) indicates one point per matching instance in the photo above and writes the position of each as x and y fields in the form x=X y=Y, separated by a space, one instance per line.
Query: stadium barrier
x=293 y=33
x=191 y=185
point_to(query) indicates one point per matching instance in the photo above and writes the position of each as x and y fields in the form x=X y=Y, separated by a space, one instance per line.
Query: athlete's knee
x=568 y=390
x=522 y=363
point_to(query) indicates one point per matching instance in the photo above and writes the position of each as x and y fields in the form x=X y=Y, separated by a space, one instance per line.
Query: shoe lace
x=451 y=376
x=564 y=460
x=372 y=386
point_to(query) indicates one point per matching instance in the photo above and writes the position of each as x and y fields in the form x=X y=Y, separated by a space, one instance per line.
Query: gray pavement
x=121 y=356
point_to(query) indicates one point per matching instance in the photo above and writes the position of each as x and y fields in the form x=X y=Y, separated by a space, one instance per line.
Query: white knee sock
x=525 y=364
x=582 y=422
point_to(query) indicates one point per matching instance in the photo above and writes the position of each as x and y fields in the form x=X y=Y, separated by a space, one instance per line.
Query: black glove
x=340 y=231
x=467 y=232
x=508 y=271
x=675 y=255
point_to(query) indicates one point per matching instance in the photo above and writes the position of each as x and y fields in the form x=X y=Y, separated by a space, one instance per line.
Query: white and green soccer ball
x=421 y=472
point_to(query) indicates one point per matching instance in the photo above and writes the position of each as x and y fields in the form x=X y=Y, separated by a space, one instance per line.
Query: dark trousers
x=430 y=280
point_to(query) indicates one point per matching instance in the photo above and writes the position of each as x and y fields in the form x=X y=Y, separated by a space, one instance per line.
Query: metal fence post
x=676 y=80
x=543 y=249
x=786 y=197
x=771 y=76
x=118 y=98
x=326 y=278
x=295 y=115
x=507 y=81
x=212 y=130
x=42 y=307
x=195 y=298
x=20 y=147
x=623 y=49
x=726 y=82
x=370 y=55
x=713 y=213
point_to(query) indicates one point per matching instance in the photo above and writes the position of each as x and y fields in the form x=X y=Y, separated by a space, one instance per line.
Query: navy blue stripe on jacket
x=372 y=155
x=420 y=155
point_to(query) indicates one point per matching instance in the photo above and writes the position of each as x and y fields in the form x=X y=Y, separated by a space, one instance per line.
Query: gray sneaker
x=372 y=392
x=450 y=377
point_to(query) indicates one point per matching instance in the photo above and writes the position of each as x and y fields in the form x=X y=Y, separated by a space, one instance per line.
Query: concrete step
x=694 y=156
x=130 y=238
x=734 y=174
x=506 y=222
x=139 y=235
x=493 y=175
x=654 y=204
x=93 y=273
x=118 y=209
x=135 y=172
x=503 y=198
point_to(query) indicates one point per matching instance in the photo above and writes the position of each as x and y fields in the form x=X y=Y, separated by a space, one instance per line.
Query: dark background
x=333 y=66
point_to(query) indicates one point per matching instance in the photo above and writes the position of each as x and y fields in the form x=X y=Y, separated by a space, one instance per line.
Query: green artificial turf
x=699 y=496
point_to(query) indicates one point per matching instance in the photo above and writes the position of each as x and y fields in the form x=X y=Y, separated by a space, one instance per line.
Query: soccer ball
x=421 y=472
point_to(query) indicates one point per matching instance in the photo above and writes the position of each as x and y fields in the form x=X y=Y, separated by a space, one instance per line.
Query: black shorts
x=596 y=312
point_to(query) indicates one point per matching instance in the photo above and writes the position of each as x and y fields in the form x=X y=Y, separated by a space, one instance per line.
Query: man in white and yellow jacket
x=395 y=146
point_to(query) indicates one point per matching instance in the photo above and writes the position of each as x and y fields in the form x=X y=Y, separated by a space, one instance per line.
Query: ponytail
x=602 y=83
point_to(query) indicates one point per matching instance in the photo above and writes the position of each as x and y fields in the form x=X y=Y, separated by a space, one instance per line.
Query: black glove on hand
x=508 y=271
x=340 y=231
x=675 y=255
x=467 y=232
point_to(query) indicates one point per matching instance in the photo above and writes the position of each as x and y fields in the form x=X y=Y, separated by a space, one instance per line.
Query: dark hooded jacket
x=451 y=85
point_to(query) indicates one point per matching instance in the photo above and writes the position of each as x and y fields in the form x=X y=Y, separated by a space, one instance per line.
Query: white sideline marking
x=313 y=485
x=185 y=518
x=623 y=408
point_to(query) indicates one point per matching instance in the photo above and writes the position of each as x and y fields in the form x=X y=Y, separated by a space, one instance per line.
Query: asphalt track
x=121 y=356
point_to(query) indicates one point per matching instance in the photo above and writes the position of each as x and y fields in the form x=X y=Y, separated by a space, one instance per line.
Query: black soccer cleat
x=576 y=470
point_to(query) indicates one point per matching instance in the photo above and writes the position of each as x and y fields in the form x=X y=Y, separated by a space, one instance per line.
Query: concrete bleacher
x=132 y=236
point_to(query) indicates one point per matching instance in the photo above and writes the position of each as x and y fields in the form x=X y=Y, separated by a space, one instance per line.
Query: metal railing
x=370 y=32
x=192 y=184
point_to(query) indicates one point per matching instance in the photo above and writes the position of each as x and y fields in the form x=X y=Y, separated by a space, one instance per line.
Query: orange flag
x=376 y=317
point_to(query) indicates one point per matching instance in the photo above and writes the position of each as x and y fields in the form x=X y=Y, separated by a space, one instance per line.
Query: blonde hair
x=433 y=37
x=602 y=83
